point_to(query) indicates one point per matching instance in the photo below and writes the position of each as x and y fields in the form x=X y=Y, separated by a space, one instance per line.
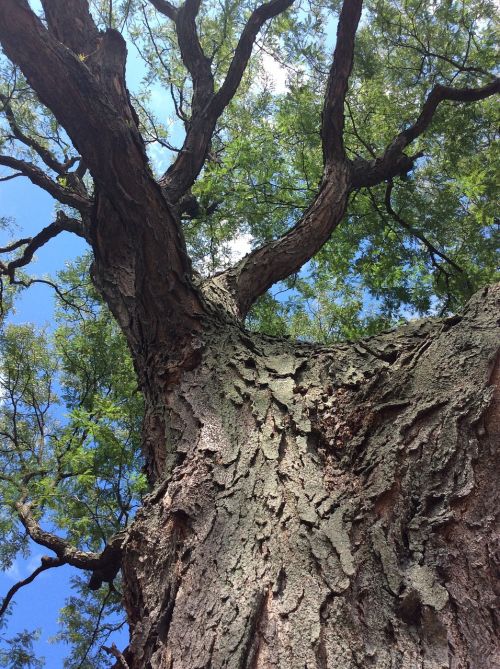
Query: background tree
x=307 y=506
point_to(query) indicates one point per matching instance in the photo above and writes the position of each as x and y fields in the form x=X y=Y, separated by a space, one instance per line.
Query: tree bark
x=313 y=507
x=323 y=507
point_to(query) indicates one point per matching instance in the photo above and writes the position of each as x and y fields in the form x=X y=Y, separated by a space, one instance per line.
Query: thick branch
x=332 y=128
x=437 y=95
x=243 y=52
x=165 y=8
x=15 y=245
x=39 y=178
x=47 y=563
x=105 y=565
x=61 y=224
x=86 y=94
x=259 y=270
x=63 y=549
x=71 y=23
x=193 y=57
x=116 y=653
x=395 y=162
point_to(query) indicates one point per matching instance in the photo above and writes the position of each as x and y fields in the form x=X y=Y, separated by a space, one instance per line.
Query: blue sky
x=38 y=604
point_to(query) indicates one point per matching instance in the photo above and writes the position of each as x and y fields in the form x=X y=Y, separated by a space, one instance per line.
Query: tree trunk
x=322 y=507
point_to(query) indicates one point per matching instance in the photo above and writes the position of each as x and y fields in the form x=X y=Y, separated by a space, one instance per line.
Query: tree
x=308 y=505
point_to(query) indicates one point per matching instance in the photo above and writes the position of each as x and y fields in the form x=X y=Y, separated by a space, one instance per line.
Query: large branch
x=394 y=161
x=71 y=23
x=65 y=80
x=332 y=128
x=208 y=106
x=165 y=8
x=193 y=57
x=243 y=52
x=259 y=270
x=105 y=565
x=39 y=178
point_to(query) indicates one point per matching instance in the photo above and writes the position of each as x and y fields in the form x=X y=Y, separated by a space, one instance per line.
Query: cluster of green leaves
x=88 y=620
x=265 y=161
x=70 y=424
x=18 y=652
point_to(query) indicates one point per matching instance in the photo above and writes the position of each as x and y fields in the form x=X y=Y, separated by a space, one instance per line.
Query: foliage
x=70 y=433
x=17 y=652
x=70 y=415
x=88 y=620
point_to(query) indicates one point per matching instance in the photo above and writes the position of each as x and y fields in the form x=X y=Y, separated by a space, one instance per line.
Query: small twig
x=416 y=233
x=26 y=283
x=11 y=176
x=96 y=629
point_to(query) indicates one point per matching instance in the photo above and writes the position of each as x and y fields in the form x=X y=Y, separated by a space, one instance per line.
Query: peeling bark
x=313 y=507
x=324 y=507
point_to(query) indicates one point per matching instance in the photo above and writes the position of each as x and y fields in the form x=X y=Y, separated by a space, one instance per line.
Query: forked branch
x=207 y=105
x=104 y=565
x=275 y=261
x=193 y=56
x=71 y=23
x=46 y=563
x=116 y=653
x=165 y=8
x=243 y=52
x=63 y=223
x=40 y=179
x=94 y=108
x=394 y=162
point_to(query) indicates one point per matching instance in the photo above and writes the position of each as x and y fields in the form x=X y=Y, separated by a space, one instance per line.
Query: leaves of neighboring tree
x=69 y=441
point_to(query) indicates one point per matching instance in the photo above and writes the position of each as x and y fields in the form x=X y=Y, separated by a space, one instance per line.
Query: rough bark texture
x=324 y=507
x=313 y=507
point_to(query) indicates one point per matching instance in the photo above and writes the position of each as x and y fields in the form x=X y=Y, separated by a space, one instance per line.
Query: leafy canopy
x=70 y=416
